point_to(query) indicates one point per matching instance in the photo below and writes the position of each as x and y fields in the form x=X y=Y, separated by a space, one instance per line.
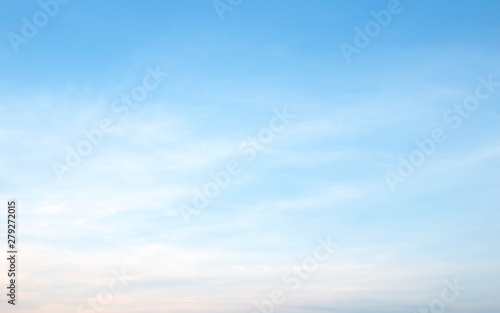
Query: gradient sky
x=323 y=175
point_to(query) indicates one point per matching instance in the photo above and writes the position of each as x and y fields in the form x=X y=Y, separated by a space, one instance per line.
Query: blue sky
x=323 y=174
